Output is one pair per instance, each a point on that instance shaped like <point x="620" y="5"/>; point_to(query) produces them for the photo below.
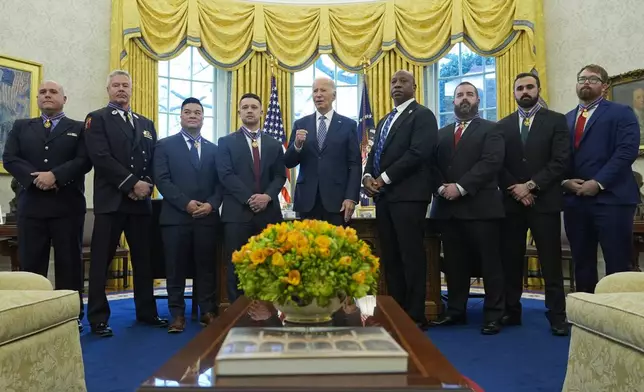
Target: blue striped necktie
<point x="321" y="131"/>
<point x="381" y="142"/>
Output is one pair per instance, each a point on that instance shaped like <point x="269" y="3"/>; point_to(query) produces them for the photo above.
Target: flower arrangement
<point x="300" y="262"/>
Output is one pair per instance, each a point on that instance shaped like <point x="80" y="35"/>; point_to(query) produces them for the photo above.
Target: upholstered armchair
<point x="39" y="340"/>
<point x="607" y="342"/>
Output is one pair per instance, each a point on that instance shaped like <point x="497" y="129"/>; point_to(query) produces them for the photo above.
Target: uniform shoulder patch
<point x="88" y="123"/>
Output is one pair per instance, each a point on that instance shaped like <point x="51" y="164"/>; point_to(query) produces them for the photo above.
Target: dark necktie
<point x="321" y="131"/>
<point x="256" y="163"/>
<point x="525" y="129"/>
<point x="194" y="154"/>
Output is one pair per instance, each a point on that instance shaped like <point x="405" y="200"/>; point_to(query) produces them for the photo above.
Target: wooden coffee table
<point x="193" y="367"/>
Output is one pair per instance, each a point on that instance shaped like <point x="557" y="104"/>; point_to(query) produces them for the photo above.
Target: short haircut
<point x="527" y="75"/>
<point x="595" y="69"/>
<point x="251" y="95"/>
<point x="116" y="73"/>
<point x="191" y="100"/>
<point x="469" y="84"/>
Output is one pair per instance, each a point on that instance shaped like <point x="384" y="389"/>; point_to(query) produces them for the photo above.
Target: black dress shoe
<point x="101" y="329"/>
<point x="560" y="329"/>
<point x="448" y="320"/>
<point x="155" y="321"/>
<point x="80" y="326"/>
<point x="509" y="320"/>
<point x="491" y="328"/>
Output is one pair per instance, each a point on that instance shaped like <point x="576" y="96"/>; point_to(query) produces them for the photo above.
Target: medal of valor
<point x="254" y="144"/>
<point x="585" y="113"/>
<point x="47" y="124"/>
<point x="526" y="122"/>
<point x="196" y="144"/>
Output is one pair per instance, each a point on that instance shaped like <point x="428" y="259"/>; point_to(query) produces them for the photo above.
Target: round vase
<point x="309" y="314"/>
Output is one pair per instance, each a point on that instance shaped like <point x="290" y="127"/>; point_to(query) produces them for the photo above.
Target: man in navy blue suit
<point x="601" y="193"/>
<point x="328" y="184"/>
<point x="186" y="175"/>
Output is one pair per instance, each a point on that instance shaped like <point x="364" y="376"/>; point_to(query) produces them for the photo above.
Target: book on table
<point x="309" y="350"/>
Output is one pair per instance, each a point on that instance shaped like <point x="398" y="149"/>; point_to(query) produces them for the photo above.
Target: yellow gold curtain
<point x="378" y="82"/>
<point x="255" y="77"/>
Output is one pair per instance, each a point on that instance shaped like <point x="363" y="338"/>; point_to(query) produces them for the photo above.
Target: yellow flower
<point x="278" y="259"/>
<point x="324" y="252"/>
<point x="258" y="256"/>
<point x="359" y="277"/>
<point x="293" y="277"/>
<point x="238" y="256"/>
<point x="323" y="241"/>
<point x="339" y="232"/>
<point x="345" y="260"/>
<point x="365" y="250"/>
<point x="376" y="264"/>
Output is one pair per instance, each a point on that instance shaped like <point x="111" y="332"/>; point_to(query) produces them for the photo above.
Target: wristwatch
<point x="531" y="185"/>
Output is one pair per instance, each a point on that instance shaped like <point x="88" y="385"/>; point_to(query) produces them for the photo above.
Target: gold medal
<point x="196" y="144"/>
<point x="254" y="144"/>
<point x="585" y="113"/>
<point x="47" y="124"/>
<point x="526" y="122"/>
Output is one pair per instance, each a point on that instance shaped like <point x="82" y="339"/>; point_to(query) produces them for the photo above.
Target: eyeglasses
<point x="589" y="79"/>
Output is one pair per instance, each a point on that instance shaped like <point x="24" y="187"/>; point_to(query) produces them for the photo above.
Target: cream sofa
<point x="607" y="342"/>
<point x="39" y="340"/>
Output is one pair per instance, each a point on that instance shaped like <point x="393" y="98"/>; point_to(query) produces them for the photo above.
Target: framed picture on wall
<point x="19" y="80"/>
<point x="628" y="89"/>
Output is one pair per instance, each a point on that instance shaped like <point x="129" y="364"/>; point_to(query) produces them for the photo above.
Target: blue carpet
<point x="525" y="358"/>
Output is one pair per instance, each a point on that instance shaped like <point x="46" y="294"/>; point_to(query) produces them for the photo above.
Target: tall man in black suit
<point x="252" y="172"/>
<point x="186" y="175"/>
<point x="469" y="156"/>
<point x="121" y="146"/>
<point x="536" y="156"/>
<point x="328" y="183"/>
<point x="397" y="175"/>
<point x="47" y="156"/>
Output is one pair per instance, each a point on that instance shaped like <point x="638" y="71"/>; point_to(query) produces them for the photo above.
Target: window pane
<point x="304" y="78"/>
<point x="174" y="125"/>
<point x="179" y="91"/>
<point x="302" y="102"/>
<point x="490" y="90"/>
<point x="163" y="95"/>
<point x="180" y="67"/>
<point x="445" y="119"/>
<point x="163" y="68"/>
<point x="201" y="70"/>
<point x="346" y="78"/>
<point x="446" y="94"/>
<point x="208" y="129"/>
<point x="490" y="114"/>
<point x="162" y="126"/>
<point x="324" y="67"/>
<point x="204" y="92"/>
<point x="470" y="61"/>
<point x="448" y="65"/>
<point x="347" y="98"/>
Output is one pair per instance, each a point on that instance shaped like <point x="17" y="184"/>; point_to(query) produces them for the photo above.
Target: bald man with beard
<point x="47" y="156"/>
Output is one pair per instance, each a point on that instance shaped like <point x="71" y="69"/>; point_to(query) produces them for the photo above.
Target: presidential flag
<point x="274" y="126"/>
<point x="366" y="135"/>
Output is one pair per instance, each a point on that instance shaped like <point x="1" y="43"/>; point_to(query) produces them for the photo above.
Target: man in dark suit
<point x="328" y="183"/>
<point x="537" y="152"/>
<point x="601" y="191"/>
<point x="469" y="156"/>
<point x="252" y="172"/>
<point x="47" y="156"/>
<point x="186" y="175"/>
<point x="397" y="175"/>
<point x="121" y="146"/>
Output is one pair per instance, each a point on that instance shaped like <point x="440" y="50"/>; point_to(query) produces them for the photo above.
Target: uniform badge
<point x="72" y="134"/>
<point x="88" y="122"/>
<point x="114" y="112"/>
<point x="147" y="134"/>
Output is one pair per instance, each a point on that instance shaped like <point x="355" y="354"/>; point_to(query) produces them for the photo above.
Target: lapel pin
<point x="410" y="111"/>
<point x="114" y="112"/>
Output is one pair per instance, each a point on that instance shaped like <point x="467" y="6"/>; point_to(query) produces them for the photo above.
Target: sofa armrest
<point x="18" y="280"/>
<point x="621" y="282"/>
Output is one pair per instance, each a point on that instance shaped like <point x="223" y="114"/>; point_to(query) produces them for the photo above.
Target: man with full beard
<point x="537" y="151"/>
<point x="601" y="191"/>
<point x="469" y="156"/>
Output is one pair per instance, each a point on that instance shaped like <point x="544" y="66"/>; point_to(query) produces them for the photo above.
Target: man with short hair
<point x="601" y="193"/>
<point x="252" y="172"/>
<point x="325" y="145"/>
<point x="185" y="173"/>
<point x="47" y="156"/>
<point x="537" y="151"/>
<point x="121" y="146"/>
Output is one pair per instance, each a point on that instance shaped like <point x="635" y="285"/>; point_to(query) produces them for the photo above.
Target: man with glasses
<point x="601" y="193"/>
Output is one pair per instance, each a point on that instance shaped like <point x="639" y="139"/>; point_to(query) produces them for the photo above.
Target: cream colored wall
<point x="580" y="32"/>
<point x="70" y="38"/>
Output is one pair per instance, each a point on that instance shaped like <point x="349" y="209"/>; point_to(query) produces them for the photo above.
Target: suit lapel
<point x="334" y="127"/>
<point x="38" y="127"/>
<point x="63" y="125"/>
<point x="264" y="152"/>
<point x="242" y="144"/>
<point x="400" y="120"/>
<point x="313" y="132"/>
<point x="138" y="132"/>
<point x="471" y="128"/>
<point x="534" y="128"/>
<point x="184" y="150"/>
<point x="116" y="118"/>
<point x="601" y="108"/>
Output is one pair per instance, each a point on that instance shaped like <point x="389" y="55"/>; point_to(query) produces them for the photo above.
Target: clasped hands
<point x="198" y="209"/>
<point x="44" y="180"/>
<point x="521" y="193"/>
<point x="581" y="187"/>
<point x="141" y="190"/>
<point x="258" y="202"/>
<point x="372" y="186"/>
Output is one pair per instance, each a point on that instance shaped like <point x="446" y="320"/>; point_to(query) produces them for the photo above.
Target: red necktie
<point x="256" y="167"/>
<point x="459" y="133"/>
<point x="579" y="128"/>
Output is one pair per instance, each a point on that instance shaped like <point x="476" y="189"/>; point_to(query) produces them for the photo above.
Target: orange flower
<point x="324" y="252"/>
<point x="376" y="264"/>
<point x="365" y="250"/>
<point x="293" y="277"/>
<point x="339" y="232"/>
<point x="238" y="256"/>
<point x="278" y="259"/>
<point x="345" y="260"/>
<point x="323" y="241"/>
<point x="258" y="256"/>
<point x="359" y="277"/>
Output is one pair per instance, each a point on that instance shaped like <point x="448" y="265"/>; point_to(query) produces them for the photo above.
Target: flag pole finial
<point x="273" y="62"/>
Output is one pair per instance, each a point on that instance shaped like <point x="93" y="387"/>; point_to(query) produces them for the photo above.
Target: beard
<point x="526" y="101"/>
<point x="587" y="94"/>
<point x="466" y="110"/>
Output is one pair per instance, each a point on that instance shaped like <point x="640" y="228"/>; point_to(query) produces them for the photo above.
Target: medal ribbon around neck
<point x="49" y="121"/>
<point x="196" y="141"/>
<point x="253" y="136"/>
<point x="586" y="108"/>
<point x="528" y="115"/>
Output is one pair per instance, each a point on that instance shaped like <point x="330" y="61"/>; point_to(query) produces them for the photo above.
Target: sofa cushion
<point x="26" y="312"/>
<point x="616" y="316"/>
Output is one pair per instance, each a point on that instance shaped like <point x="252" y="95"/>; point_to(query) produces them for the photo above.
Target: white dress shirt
<point x="530" y="121"/>
<point x="190" y="143"/>
<point x="122" y="113"/>
<point x="399" y="109"/>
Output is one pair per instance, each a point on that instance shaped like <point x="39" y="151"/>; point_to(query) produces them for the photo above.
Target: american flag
<point x="274" y="126"/>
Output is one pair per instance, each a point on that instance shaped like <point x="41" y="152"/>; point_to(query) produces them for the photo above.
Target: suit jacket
<point x="407" y="154"/>
<point x="235" y="168"/>
<point x="121" y="158"/>
<point x="179" y="181"/>
<point x="608" y="148"/>
<point x="334" y="171"/>
<point x="474" y="164"/>
<point x="544" y="159"/>
<point x="30" y="147"/>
